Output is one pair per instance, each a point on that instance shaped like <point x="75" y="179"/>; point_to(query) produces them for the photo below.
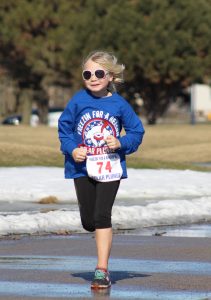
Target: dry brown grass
<point x="173" y="146"/>
<point x="49" y="200"/>
<point x="22" y="145"/>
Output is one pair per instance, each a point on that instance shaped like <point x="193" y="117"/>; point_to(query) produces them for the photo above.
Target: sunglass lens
<point x="87" y="75"/>
<point x="100" y="74"/>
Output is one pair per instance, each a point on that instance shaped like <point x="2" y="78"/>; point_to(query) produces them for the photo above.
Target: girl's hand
<point x="112" y="142"/>
<point x="79" y="154"/>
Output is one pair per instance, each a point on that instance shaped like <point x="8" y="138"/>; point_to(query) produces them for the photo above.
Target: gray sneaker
<point x="101" y="280"/>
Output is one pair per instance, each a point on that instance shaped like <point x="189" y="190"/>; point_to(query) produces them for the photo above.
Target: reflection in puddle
<point x="101" y="293"/>
<point x="32" y="289"/>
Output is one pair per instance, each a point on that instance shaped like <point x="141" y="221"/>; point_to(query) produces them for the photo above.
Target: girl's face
<point x="97" y="86"/>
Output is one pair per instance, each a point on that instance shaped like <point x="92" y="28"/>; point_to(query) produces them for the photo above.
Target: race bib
<point x="105" y="167"/>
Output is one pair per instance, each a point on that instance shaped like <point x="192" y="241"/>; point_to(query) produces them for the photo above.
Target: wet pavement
<point x="141" y="267"/>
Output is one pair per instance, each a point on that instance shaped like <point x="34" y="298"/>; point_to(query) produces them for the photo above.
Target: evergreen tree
<point x="165" y="45"/>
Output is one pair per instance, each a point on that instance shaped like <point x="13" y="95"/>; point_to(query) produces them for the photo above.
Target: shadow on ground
<point x="115" y="275"/>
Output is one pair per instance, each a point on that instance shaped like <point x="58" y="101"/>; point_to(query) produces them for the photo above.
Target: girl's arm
<point x="133" y="128"/>
<point x="66" y="128"/>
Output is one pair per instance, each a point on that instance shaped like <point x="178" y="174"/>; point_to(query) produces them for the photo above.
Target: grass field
<point x="164" y="146"/>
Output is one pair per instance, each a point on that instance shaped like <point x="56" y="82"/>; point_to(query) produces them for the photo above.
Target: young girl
<point x="89" y="132"/>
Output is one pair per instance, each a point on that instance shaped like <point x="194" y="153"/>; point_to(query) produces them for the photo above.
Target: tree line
<point x="165" y="45"/>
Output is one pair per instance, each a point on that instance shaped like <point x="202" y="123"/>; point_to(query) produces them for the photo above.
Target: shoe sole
<point x="96" y="287"/>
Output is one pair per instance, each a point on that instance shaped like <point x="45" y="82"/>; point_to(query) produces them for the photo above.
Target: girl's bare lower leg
<point x="103" y="242"/>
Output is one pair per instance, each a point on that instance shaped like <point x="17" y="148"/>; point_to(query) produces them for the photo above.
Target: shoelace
<point x="100" y="274"/>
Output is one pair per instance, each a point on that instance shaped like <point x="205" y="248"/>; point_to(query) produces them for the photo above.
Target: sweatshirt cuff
<point x="123" y="143"/>
<point x="70" y="148"/>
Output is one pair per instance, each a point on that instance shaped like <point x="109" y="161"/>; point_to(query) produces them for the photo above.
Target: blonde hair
<point x="109" y="62"/>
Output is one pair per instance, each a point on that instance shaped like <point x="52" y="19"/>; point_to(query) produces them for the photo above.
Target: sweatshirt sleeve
<point x="66" y="127"/>
<point x="133" y="128"/>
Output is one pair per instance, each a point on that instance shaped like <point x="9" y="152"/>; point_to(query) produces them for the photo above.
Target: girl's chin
<point x="97" y="89"/>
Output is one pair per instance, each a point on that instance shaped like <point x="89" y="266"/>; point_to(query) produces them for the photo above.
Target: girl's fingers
<point x="79" y="155"/>
<point x="112" y="142"/>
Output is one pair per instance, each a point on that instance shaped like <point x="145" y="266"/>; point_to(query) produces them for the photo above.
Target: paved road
<point x="142" y="267"/>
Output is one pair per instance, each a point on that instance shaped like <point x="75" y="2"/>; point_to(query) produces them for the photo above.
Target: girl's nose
<point x="93" y="77"/>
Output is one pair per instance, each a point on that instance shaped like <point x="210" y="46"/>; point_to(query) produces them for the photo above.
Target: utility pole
<point x="192" y="105"/>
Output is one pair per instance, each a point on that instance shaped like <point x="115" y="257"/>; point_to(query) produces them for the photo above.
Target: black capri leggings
<point x="95" y="200"/>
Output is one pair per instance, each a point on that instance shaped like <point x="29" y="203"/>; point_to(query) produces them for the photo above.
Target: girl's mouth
<point x="93" y="85"/>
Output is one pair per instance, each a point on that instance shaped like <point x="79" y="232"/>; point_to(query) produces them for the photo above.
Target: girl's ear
<point x="111" y="77"/>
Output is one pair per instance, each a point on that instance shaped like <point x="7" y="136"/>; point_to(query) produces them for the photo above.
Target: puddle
<point x="190" y="230"/>
<point x="39" y="290"/>
<point x="126" y="268"/>
<point x="194" y="230"/>
<point x="76" y="263"/>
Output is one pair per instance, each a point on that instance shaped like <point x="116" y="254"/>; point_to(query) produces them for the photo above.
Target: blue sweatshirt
<point x="87" y="120"/>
